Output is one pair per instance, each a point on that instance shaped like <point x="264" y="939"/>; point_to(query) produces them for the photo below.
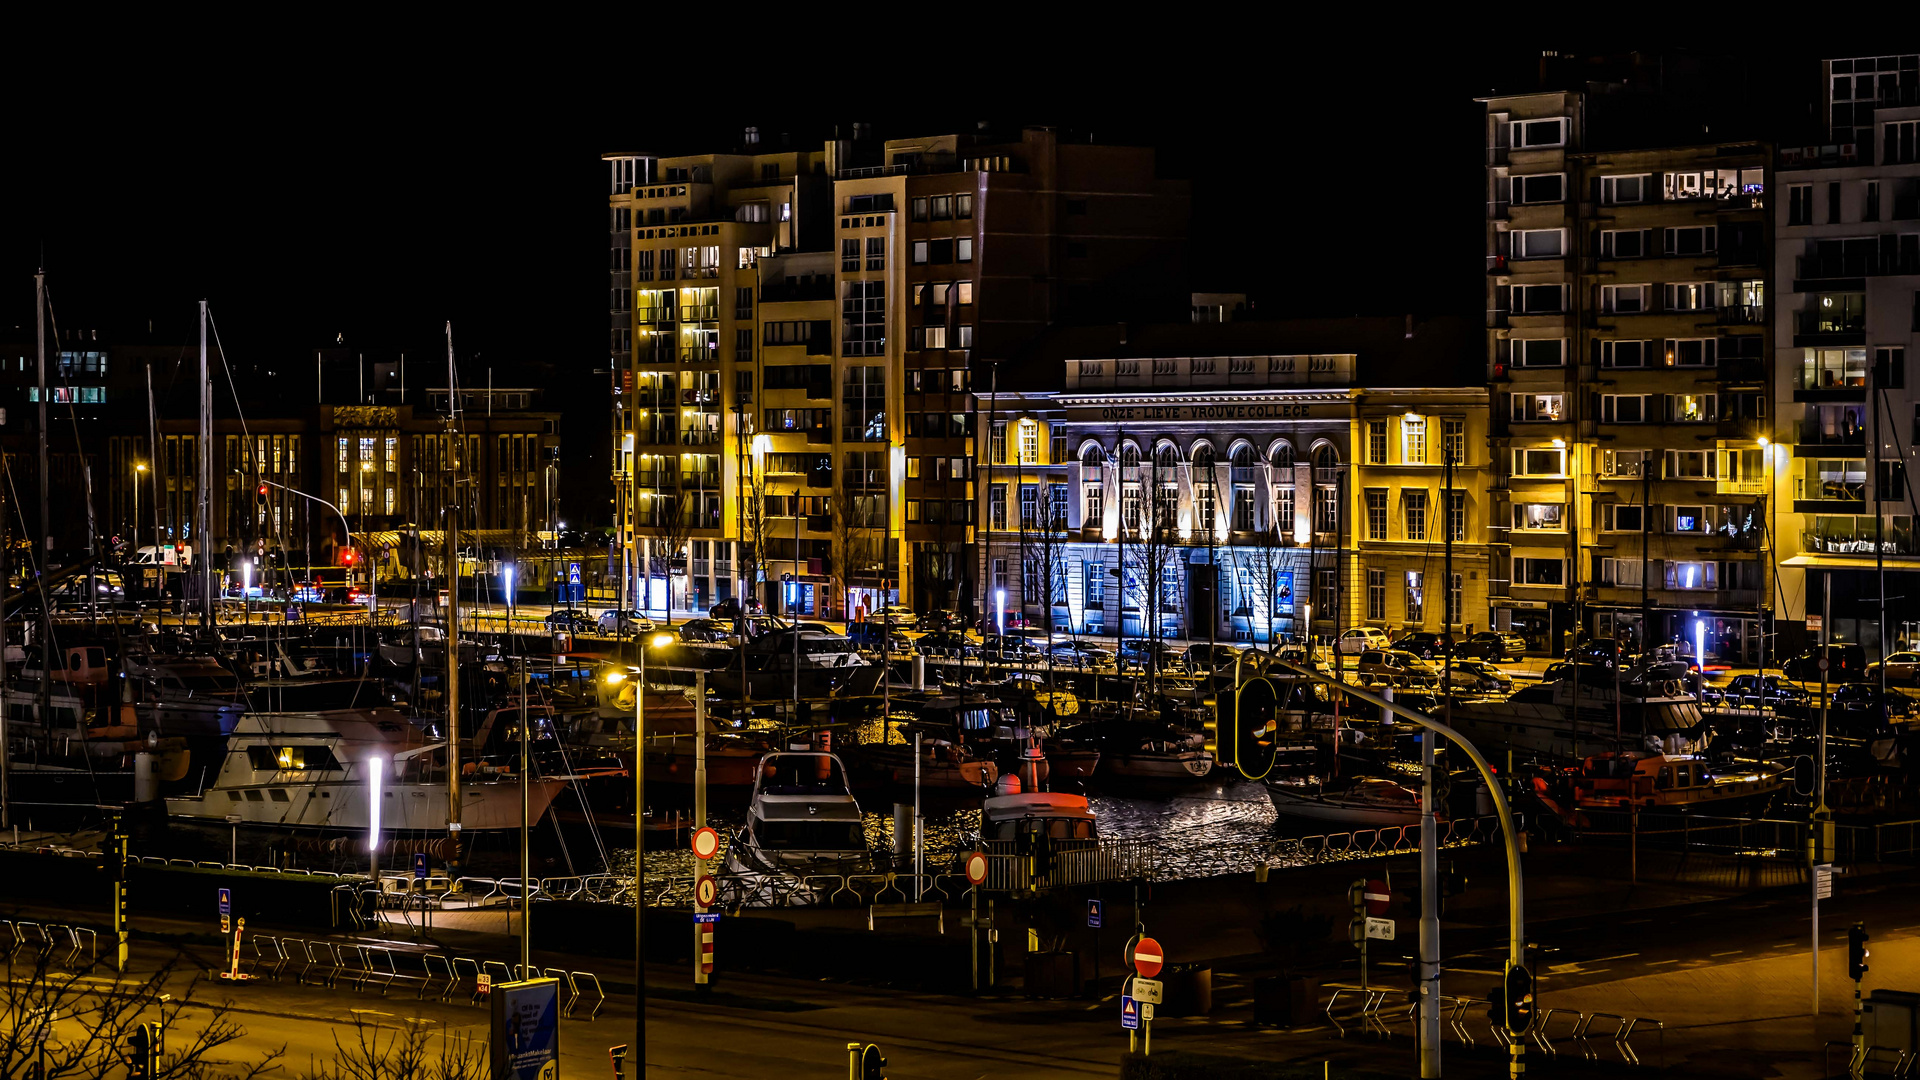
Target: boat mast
<point x="450" y="523"/>
<point x="203" y="500"/>
<point x="46" y="519"/>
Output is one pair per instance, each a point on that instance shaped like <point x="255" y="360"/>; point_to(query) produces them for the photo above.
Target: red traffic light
<point x="347" y="556"/>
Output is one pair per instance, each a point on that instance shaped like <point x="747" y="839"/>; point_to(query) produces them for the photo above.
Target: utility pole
<point x="450" y="522"/>
<point x="1429" y="1003"/>
<point x="526" y="894"/>
<point x="45" y="531"/>
<point x="203" y="501"/>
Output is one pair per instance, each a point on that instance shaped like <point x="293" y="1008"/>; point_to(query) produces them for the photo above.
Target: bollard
<point x="919" y="672"/>
<point x="902" y="830"/>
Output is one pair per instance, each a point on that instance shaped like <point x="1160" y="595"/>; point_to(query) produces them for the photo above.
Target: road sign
<point x="483" y="984"/>
<point x="1146" y="991"/>
<point x="1093" y="914"/>
<point x="706" y="842"/>
<point x="226" y="924"/>
<point x="1815" y="623"/>
<point x="226" y="901"/>
<point x="1146" y="1011"/>
<point x="706" y="916"/>
<point x="1823" y="664"/>
<point x="1379" y="929"/>
<point x="420" y="866"/>
<point x="1129" y="1014"/>
<point x="1823" y="881"/>
<point x="977" y="868"/>
<point x="573" y="573"/>
<point x="1376" y="896"/>
<point x="1148" y="957"/>
<point x="705" y="892"/>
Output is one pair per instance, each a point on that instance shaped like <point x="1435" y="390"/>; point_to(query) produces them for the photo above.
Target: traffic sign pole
<point x="703" y="932"/>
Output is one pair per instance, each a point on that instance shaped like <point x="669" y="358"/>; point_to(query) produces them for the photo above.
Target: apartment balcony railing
<point x="1874" y="264"/>
<point x="653" y="316"/>
<point x="700" y="437"/>
<point x="699" y="354"/>
<point x="690" y="273"/>
<point x="699" y="312"/>
<point x="1741" y="314"/>
<point x="1832" y="322"/>
<point x="1817" y="434"/>
<point x="1893" y="541"/>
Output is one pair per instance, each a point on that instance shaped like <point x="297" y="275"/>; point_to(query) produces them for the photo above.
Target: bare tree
<point x="1044" y="555"/>
<point x="857" y="519"/>
<point x="753" y="528"/>
<point x="672" y="526"/>
<point x="376" y="1052"/>
<point x="1153" y="557"/>
<point x="1265" y="557"/>
<point x="56" y="1024"/>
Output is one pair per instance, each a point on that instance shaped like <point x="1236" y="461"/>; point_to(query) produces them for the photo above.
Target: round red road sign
<point x="1377" y="897"/>
<point x="1148" y="958"/>
<point x="705" y="843"/>
<point x="977" y="868"/>
<point x="705" y="891"/>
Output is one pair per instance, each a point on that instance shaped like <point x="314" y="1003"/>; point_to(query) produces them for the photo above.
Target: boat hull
<point x="1309" y="807"/>
<point x="342" y="806"/>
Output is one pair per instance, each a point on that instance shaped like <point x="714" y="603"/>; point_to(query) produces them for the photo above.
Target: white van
<point x="156" y="556"/>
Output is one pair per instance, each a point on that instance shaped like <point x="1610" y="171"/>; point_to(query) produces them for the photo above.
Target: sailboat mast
<point x="46" y="520"/>
<point x="203" y="482"/>
<point x="450" y="524"/>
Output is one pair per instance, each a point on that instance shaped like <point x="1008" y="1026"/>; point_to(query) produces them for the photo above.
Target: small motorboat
<point x="1045" y="813"/>
<point x="1605" y="788"/>
<point x="1368" y="801"/>
<point x="1143" y="750"/>
<point x="802" y="820"/>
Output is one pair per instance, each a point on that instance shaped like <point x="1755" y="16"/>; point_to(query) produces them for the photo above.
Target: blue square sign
<point x="1129" y="1014"/>
<point x="420" y="865"/>
<point x="226" y="901"/>
<point x="1093" y="914"/>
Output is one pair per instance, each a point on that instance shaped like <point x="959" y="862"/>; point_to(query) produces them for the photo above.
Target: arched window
<point x="1166" y="456"/>
<point x="1203" y="456"/>
<point x="1244" y="456"/>
<point x="1325" y="456"/>
<point x="1281" y="456"/>
<point x="1129" y="456"/>
<point x="1092" y="456"/>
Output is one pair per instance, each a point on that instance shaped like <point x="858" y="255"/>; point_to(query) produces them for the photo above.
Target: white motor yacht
<point x="310" y="771"/>
<point x="803" y="819"/>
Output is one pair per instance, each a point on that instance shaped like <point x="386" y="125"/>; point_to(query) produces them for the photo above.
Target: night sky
<point x="376" y="196"/>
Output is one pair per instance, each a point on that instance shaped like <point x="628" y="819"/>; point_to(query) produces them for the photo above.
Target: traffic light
<point x="1219" y="713"/>
<point x="1497" y="1005"/>
<point x="260" y="495"/>
<point x="872" y="1063"/>
<point x="1517" y="996"/>
<point x="348" y="556"/>
<point x="143" y="1052"/>
<point x="1857" y="952"/>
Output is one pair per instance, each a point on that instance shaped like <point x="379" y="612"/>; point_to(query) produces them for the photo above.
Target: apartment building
<point x="1627" y="331"/>
<point x="1846" y="327"/>
<point x="1197" y="482"/>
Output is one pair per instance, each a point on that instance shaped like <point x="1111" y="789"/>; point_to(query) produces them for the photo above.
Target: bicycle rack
<point x="472" y="971"/>
<point x="445" y="973"/>
<point x="600" y="995"/>
<point x="1539" y="1032"/>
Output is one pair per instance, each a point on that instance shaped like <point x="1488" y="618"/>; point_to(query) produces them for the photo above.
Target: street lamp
<point x="375" y="768"/>
<point x="138" y="469"/>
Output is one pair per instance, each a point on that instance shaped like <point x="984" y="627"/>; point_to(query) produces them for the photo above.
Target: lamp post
<point x="139" y="469"/>
<point x="376" y="767"/>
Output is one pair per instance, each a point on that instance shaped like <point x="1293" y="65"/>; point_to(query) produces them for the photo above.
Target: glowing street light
<point x="376" y="767"/>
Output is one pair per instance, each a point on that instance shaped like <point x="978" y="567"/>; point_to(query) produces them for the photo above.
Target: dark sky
<point x="377" y="194"/>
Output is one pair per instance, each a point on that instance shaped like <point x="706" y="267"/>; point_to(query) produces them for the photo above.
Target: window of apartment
<point x="963" y="292"/>
<point x="1416" y="595"/>
<point x="1623" y="299"/>
<point x="943" y="208"/>
<point x="1326" y="509"/>
<point x="997" y="507"/>
<point x="1690" y="352"/>
<point x="1691" y="464"/>
<point x="1690" y="295"/>
<point x="1283" y="516"/>
<point x="1414" y="512"/>
<point x="876" y="253"/>
<point x="1539" y="517"/>
<point x="1030" y="506"/>
<point x="1537" y="134"/>
<point x="963" y="249"/>
<point x="1621" y="464"/>
<point x="1413" y="440"/>
<point x="919" y="253"/>
<point x="963" y="206"/>
<point x="1833" y="202"/>
<point x="1528" y="408"/>
<point x="1890" y="368"/>
<point x="1900" y="142"/>
<point x="1029" y="442"/>
<point x="1243" y="507"/>
<point x="1692" y="408"/>
<point x="1539" y="243"/>
<point x="1623" y="244"/>
<point x="1690" y="240"/>
<point x="1096" y="583"/>
<point x="1689" y="519"/>
<point x="1130" y="506"/>
<point x="1540" y="461"/>
<point x="1871" y="212"/>
<point x="1799" y="204"/>
<point x="1624" y="190"/>
<point x="1621" y="517"/>
<point x="1691" y="575"/>
<point x="1456" y="597"/>
<point x="1376" y="442"/>
<point x="849" y="254"/>
<point x="1376" y="594"/>
<point x="1457" y="514"/>
<point x="1539" y="571"/>
<point x="1541" y="188"/>
<point x="918" y="209"/>
<point x="1623" y="408"/>
<point x="1538" y="299"/>
<point x="1094" y="506"/>
<point x="863" y="318"/>
<point x="1540" y="352"/>
<point x="1623" y="354"/>
<point x="1621" y="573"/>
<point x="1377" y="514"/>
<point x="1453" y="441"/>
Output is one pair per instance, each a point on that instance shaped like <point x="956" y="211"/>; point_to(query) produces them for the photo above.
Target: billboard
<point x="526" y="1030"/>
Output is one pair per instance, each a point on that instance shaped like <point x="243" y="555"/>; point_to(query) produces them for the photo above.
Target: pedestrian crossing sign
<point x="1129" y="1014"/>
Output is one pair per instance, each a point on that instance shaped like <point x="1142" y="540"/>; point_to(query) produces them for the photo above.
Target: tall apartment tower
<point x="684" y="236"/>
<point x="1847" y="214"/>
<point x="1626" y="328"/>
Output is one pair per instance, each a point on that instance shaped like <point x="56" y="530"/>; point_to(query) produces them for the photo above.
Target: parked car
<point x="897" y="616"/>
<point x="1396" y="666"/>
<point x="1480" y="675"/>
<point x="1299" y="656"/>
<point x="1014" y="648"/>
<point x="1589" y="674"/>
<point x="1142" y="653"/>
<point x="944" y="619"/>
<point x="1492" y="645"/>
<point x="1080" y="654"/>
<point x="1360" y="639"/>
<point x="1846" y="663"/>
<point x="615" y="621"/>
<point x="1204" y="657"/>
<point x="1862" y="702"/>
<point x="1425" y="645"/>
<point x="1902" y="667"/>
<point x="949" y="643"/>
<point x="705" y="631"/>
<point x="570" y="622"/>
<point x="1762" y="691"/>
<point x="1605" y="652"/>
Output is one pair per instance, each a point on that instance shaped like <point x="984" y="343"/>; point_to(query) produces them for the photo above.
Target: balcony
<point x="700" y="437"/>
<point x="1837" y="486"/>
<point x="1853" y="265"/>
<point x="1741" y="315"/>
<point x="653" y="316"/>
<point x="1838" y="440"/>
<point x="1847" y="536"/>
<point x="699" y="354"/>
<point x="1836" y="325"/>
<point x="699" y="312"/>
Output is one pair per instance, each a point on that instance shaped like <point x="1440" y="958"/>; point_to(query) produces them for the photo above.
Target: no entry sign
<point x="1147" y="958"/>
<point x="705" y="843"/>
<point x="1377" y="897"/>
<point x="977" y="868"/>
